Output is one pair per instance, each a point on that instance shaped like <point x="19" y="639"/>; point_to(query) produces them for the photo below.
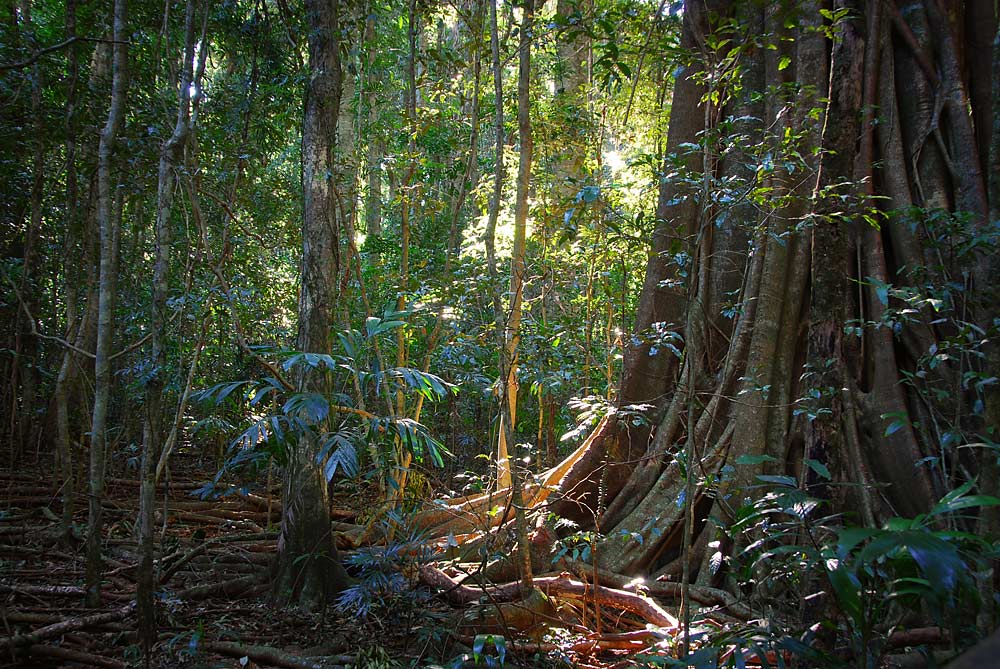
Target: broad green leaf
<point x="818" y="467"/>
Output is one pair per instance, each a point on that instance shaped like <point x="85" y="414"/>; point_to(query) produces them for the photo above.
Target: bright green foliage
<point x="346" y="434"/>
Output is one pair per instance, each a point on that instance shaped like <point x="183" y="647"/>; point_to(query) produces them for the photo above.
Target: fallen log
<point x="918" y="636"/>
<point x="70" y="625"/>
<point x="214" y="520"/>
<point x="274" y="657"/>
<point x="50" y="618"/>
<point x="53" y="590"/>
<point x="556" y="586"/>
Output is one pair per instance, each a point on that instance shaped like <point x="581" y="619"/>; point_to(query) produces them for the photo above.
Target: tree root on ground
<point x="75" y="656"/>
<point x="704" y="595"/>
<point x="591" y="645"/>
<point x="232" y="589"/>
<point x="70" y="625"/>
<point x="562" y="585"/>
<point x="274" y="657"/>
<point x="466" y="515"/>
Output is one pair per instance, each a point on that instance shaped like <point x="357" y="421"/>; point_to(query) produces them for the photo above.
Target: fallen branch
<point x="918" y="636"/>
<point x="62" y="627"/>
<point x="77" y="656"/>
<point x="233" y="588"/>
<point x="559" y="586"/>
<point x="175" y="485"/>
<point x="273" y="656"/>
<point x="184" y="558"/>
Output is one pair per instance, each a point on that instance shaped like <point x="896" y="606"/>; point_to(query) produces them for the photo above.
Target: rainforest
<point x="499" y="333"/>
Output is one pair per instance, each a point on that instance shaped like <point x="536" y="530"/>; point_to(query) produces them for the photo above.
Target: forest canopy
<point x="566" y="333"/>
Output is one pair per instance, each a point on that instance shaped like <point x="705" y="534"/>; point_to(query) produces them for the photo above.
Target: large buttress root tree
<point x="309" y="569"/>
<point x="796" y="296"/>
<point x="783" y="384"/>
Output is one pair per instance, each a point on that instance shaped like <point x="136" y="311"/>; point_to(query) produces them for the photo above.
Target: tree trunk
<point x="518" y="270"/>
<point x="309" y="569"/>
<point x="784" y="391"/>
<point x="170" y="157"/>
<point x="376" y="147"/>
<point x="107" y="224"/>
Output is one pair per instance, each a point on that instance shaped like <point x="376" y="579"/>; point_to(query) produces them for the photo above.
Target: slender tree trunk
<point x="376" y="147"/>
<point x="25" y="371"/>
<point x="518" y="269"/>
<point x="60" y="398"/>
<point x="170" y="157"/>
<point x="309" y="569"/>
<point x="496" y="199"/>
<point x="107" y="223"/>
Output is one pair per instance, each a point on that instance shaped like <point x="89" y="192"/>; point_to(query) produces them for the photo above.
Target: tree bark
<point x="107" y="224"/>
<point x="309" y="569"/>
<point x="170" y="157"/>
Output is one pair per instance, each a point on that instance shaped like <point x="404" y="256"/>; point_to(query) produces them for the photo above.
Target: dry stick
<point x="70" y="625"/>
<point x="274" y="657"/>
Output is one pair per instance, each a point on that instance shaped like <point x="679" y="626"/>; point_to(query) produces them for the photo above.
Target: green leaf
<point x="957" y="499"/>
<point x="847" y="589"/>
<point x="849" y="537"/>
<point x="778" y="480"/>
<point x="784" y="62"/>
<point x="894" y="427"/>
<point x="818" y="467"/>
<point x="754" y="459"/>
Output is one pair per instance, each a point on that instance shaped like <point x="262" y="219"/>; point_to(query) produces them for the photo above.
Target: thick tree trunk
<point x="815" y="266"/>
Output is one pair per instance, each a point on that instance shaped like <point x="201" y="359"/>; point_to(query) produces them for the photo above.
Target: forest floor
<point x="215" y="562"/>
